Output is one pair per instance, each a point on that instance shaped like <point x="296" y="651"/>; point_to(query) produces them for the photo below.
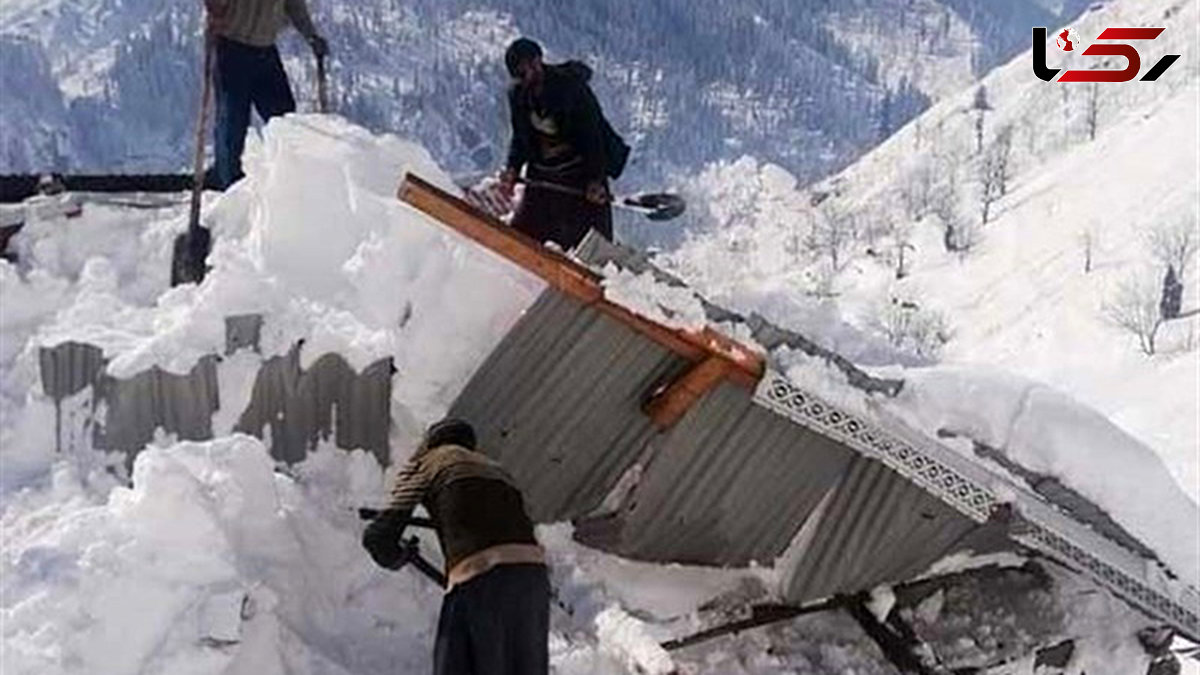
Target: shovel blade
<point x="188" y="256"/>
<point x="658" y="206"/>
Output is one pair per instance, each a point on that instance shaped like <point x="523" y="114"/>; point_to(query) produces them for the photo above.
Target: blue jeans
<point x="245" y="75"/>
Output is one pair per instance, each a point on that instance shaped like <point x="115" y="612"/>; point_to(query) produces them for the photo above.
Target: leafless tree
<point x="833" y="232"/>
<point x="1093" y="110"/>
<point x="916" y="191"/>
<point x="908" y="326"/>
<point x="902" y="237"/>
<point x="1002" y="148"/>
<point x="1174" y="244"/>
<point x="1088" y="240"/>
<point x="981" y="106"/>
<point x="876" y="225"/>
<point x="989" y="184"/>
<point x="1135" y="308"/>
<point x="958" y="234"/>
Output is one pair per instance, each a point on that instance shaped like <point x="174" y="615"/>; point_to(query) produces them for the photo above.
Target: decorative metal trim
<point x="961" y="493"/>
<point x="1133" y="590"/>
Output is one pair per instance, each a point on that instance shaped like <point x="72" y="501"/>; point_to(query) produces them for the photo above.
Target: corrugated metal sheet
<point x="558" y="402"/>
<point x="299" y="406"/>
<point x="69" y="368"/>
<point x="877" y="528"/>
<point x="730" y="484"/>
<point x="178" y="404"/>
<point x="134" y="408"/>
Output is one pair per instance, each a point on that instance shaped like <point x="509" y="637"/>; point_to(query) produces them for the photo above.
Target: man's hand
<point x="382" y="541"/>
<point x="319" y="46"/>
<point x="508" y="183"/>
<point x="216" y="14"/>
<point x="597" y="193"/>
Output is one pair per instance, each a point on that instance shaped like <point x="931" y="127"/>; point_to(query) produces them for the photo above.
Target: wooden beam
<point x="568" y="276"/>
<point x="669" y="406"/>
<point x="559" y="271"/>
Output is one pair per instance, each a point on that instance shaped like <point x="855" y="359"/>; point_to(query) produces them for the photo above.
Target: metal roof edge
<point x="967" y="487"/>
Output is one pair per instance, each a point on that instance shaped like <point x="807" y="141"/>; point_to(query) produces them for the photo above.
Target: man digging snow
<point x="495" y="618"/>
<point x="564" y="143"/>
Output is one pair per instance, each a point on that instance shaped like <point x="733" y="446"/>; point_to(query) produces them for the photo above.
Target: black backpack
<point x="616" y="150"/>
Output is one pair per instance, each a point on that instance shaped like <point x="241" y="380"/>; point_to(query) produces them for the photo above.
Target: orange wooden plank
<point x="669" y="406"/>
<point x="574" y="279"/>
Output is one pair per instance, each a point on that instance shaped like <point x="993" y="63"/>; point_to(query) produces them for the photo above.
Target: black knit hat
<point x="521" y="50"/>
<point x="450" y="431"/>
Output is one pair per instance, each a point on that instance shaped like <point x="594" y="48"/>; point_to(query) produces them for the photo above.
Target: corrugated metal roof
<point x="735" y="480"/>
<point x="559" y="403"/>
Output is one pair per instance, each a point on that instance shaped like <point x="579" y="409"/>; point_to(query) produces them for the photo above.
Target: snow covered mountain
<point x="112" y="84"/>
<point x="1081" y="186"/>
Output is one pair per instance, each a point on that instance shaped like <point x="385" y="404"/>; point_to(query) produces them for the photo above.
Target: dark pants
<point x="496" y="624"/>
<point x="245" y="75"/>
<point x="548" y="215"/>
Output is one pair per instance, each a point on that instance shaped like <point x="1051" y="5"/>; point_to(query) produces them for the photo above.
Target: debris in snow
<point x="931" y="608"/>
<point x="675" y="306"/>
<point x="625" y="636"/>
<point x="881" y="602"/>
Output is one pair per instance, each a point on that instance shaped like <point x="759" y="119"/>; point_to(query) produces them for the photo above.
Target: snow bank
<point x="210" y="562"/>
<point x="314" y="240"/>
<point x="1049" y="433"/>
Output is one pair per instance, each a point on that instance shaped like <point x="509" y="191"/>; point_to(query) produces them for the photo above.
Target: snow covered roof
<point x="811" y="475"/>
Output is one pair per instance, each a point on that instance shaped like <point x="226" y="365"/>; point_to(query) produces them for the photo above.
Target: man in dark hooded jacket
<point x="560" y="137"/>
<point x="495" y="617"/>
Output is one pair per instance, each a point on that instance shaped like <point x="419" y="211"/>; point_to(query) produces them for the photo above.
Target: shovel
<point x="412" y="546"/>
<point x="657" y="206"/>
<point x="653" y="205"/>
<point x="191" y="248"/>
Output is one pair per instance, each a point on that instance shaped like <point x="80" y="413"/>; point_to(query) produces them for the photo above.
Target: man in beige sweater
<point x="496" y="613"/>
<point x="249" y="71"/>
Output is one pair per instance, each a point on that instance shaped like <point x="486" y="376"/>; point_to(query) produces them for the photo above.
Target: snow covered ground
<point x="1061" y="245"/>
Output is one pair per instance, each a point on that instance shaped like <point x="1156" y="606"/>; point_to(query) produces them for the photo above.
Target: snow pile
<point x="210" y="562"/>
<point x="315" y="240"/>
<point x="1050" y="434"/>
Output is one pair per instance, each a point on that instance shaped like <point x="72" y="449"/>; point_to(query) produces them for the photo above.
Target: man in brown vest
<point x="495" y="616"/>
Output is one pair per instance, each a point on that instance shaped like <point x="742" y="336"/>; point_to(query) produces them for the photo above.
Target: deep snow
<point x="209" y="558"/>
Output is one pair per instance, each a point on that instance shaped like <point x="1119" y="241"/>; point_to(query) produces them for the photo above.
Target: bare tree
<point x="1174" y="244"/>
<point x="876" y="225"/>
<point x="958" y="234"/>
<point x="833" y="231"/>
<point x="1002" y="148"/>
<point x="907" y="326"/>
<point x="1088" y="240"/>
<point x="902" y="236"/>
<point x="989" y="184"/>
<point x="1135" y="308"/>
<point x="917" y="190"/>
<point x="1093" y="110"/>
<point x="981" y="106"/>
